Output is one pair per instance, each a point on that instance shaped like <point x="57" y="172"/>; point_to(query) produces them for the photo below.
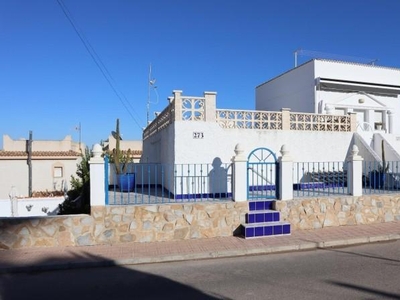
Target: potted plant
<point x="122" y="159"/>
<point x="377" y="177"/>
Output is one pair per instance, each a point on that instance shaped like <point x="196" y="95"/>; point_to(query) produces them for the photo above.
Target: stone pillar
<point x="354" y="177"/>
<point x="210" y="106"/>
<point x="391" y="122"/>
<point x="239" y="188"/>
<point x="178" y="105"/>
<point x="285" y="175"/>
<point x="97" y="176"/>
<point x="285" y="118"/>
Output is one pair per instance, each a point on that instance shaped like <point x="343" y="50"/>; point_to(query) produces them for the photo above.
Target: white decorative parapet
<point x="193" y="108"/>
<point x="162" y="121"/>
<point x="188" y="108"/>
<point x="317" y="122"/>
<point x="243" y="119"/>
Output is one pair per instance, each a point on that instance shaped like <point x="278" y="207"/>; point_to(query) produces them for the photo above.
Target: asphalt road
<point x="362" y="272"/>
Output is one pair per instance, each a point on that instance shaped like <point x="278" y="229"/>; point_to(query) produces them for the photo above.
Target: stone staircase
<point x="262" y="220"/>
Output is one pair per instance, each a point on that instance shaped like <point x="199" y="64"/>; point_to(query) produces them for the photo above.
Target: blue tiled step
<point x="256" y="230"/>
<point x="261" y="216"/>
<point x="261" y="205"/>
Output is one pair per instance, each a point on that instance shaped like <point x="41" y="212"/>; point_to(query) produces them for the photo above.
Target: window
<point x="58" y="172"/>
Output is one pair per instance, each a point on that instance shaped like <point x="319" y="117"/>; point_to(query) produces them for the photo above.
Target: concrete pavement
<point x="53" y="258"/>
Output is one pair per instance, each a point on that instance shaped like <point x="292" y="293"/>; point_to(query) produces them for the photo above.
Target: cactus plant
<point x="385" y="166"/>
<point x="121" y="158"/>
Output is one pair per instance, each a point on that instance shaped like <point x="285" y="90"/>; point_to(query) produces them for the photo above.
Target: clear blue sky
<point x="49" y="83"/>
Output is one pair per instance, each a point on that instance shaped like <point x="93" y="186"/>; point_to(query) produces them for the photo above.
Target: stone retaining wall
<point x="119" y="224"/>
<point x="314" y="213"/>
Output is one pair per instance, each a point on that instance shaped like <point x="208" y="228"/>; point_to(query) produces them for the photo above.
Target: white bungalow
<point x="337" y="87"/>
<point x="331" y="106"/>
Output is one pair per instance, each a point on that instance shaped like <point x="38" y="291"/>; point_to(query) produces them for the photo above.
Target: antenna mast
<point x="151" y="84"/>
<point x="148" y="96"/>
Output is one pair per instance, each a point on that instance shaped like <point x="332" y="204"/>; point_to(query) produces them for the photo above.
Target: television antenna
<point x="115" y="135"/>
<point x="151" y="84"/>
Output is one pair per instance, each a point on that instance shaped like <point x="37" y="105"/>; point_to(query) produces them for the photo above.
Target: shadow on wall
<point x="24" y="281"/>
<point x="218" y="178"/>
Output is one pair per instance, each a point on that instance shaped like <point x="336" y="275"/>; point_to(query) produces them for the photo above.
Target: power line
<point x="99" y="63"/>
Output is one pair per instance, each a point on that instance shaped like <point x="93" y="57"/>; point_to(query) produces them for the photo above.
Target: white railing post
<point x="97" y="193"/>
<point x="285" y="118"/>
<point x="177" y="105"/>
<point x="239" y="189"/>
<point x="285" y="175"/>
<point x="211" y="106"/>
<point x="354" y="178"/>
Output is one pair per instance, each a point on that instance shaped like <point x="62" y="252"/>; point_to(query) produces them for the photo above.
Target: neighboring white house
<point x="52" y="164"/>
<point x="134" y="145"/>
<point x="337" y="87"/>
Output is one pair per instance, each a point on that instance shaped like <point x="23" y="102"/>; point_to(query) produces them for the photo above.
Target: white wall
<point x="357" y="72"/>
<point x="160" y="147"/>
<point x="305" y="146"/>
<point x="15" y="173"/>
<point x="37" y="209"/>
<point x="293" y="89"/>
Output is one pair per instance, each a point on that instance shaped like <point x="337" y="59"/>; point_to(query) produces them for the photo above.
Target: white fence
<point x="29" y="207"/>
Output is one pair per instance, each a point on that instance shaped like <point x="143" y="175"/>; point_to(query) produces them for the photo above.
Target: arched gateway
<point x="262" y="174"/>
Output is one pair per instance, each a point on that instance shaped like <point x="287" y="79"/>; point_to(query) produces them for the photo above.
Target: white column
<point x="391" y="122"/>
<point x="370" y="118"/>
<point x="97" y="193"/>
<point x="239" y="188"/>
<point x="285" y="175"/>
<point x="354" y="178"/>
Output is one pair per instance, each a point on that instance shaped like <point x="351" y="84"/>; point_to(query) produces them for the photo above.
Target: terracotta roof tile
<point x="40" y="153"/>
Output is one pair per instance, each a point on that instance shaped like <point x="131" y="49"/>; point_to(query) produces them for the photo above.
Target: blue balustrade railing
<point x="152" y="183"/>
<point x="312" y="179"/>
<point x="381" y="177"/>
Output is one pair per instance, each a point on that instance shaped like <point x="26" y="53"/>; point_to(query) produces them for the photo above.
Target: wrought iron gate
<point x="262" y="174"/>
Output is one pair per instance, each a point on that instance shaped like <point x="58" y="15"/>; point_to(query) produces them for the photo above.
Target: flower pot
<point x="126" y="182"/>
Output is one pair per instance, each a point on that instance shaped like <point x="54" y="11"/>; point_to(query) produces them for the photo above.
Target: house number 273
<point x="198" y="135"/>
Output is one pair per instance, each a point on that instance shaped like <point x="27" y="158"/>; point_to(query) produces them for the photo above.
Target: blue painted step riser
<point x="261" y="205"/>
<point x="260" y="231"/>
<point x="263" y="220"/>
<point x="262" y="217"/>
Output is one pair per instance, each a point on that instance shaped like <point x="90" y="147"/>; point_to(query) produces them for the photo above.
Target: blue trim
<point x="253" y="188"/>
<point x="262" y="148"/>
<point x="203" y="196"/>
<point x="316" y="185"/>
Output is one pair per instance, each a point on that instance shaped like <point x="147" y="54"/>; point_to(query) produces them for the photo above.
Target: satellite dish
<point x="115" y="135"/>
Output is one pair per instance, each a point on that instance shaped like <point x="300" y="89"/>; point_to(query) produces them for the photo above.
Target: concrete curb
<point x="303" y="246"/>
